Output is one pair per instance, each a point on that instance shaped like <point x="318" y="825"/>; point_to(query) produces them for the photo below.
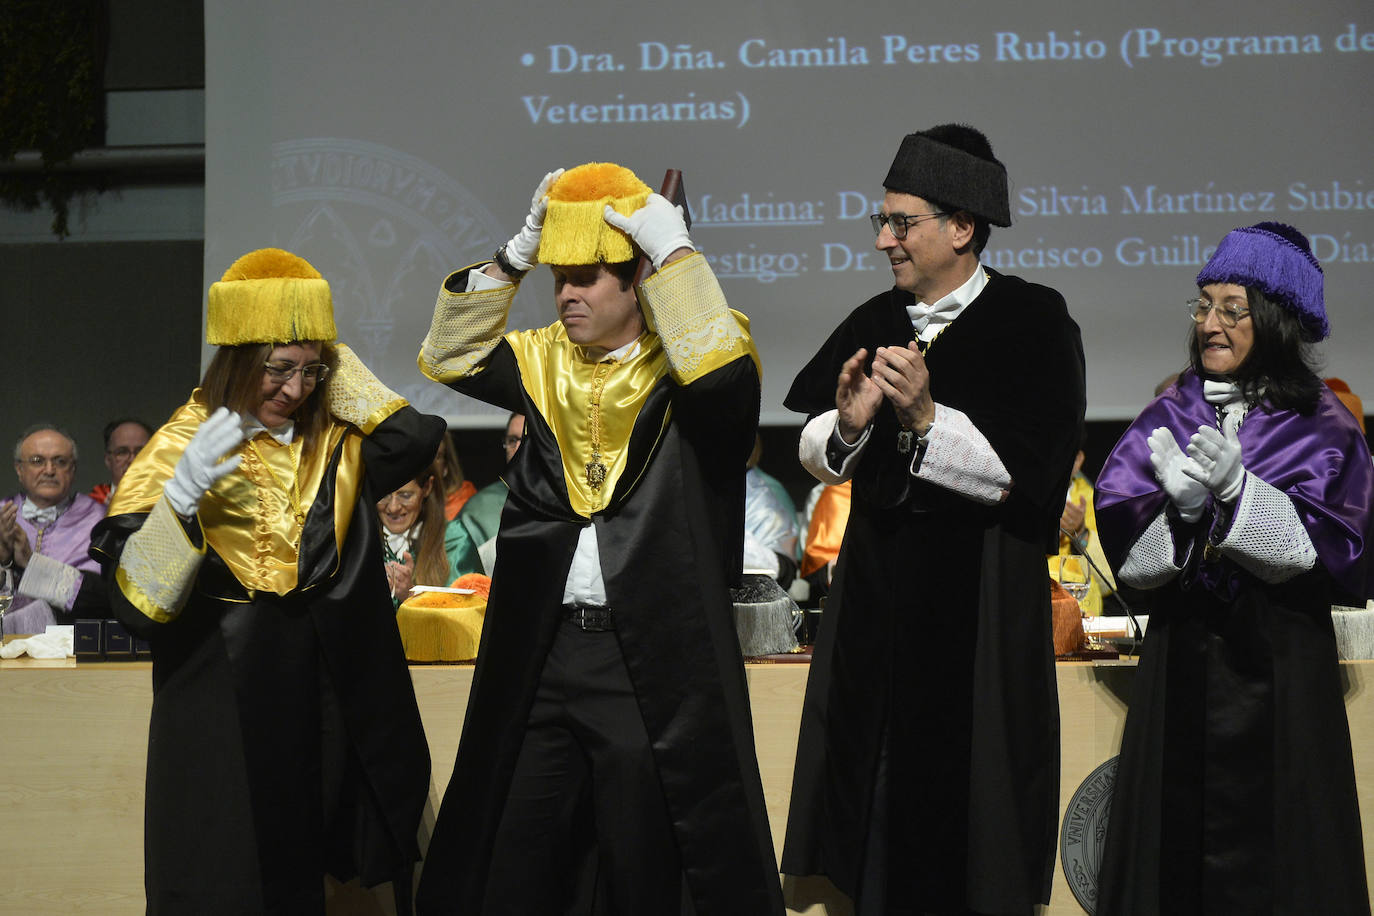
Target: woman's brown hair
<point x="234" y="380"/>
<point x="431" y="563"/>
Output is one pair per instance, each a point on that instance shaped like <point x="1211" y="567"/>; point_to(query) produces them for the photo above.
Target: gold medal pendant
<point x="596" y="472"/>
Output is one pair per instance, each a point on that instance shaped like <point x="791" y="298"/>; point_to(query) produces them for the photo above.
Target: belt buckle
<point x="592" y="619"/>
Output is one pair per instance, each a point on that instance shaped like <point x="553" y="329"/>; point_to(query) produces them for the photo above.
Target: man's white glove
<point x="522" y="251"/>
<point x="1170" y="464"/>
<point x="200" y="464"/>
<point x="1216" y="462"/>
<point x="657" y="228"/>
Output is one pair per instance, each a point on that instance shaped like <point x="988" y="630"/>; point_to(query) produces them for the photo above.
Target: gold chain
<point x="293" y="492"/>
<point x="596" y="470"/>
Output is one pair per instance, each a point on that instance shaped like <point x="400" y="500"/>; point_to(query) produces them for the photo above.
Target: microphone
<point x="1081" y="548"/>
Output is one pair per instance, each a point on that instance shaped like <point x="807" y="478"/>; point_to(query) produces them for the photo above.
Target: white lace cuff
<point x="1266" y="538"/>
<point x="685" y="307"/>
<point x="51" y="581"/>
<point x="158" y="565"/>
<point x="815" y="445"/>
<point x="959" y="458"/>
<point x="1150" y="561"/>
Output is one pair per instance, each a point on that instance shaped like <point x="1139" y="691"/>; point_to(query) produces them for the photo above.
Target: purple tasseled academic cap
<point x="1277" y="260"/>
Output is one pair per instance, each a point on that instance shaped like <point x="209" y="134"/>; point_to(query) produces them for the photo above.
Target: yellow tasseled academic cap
<point x="269" y="296"/>
<point x="575" y="231"/>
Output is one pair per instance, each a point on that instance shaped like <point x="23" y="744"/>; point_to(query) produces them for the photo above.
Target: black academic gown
<point x="936" y="636"/>
<point x="285" y="740"/>
<point x="670" y="545"/>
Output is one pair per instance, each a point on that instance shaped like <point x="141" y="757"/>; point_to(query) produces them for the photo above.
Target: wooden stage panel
<point x="74" y="749"/>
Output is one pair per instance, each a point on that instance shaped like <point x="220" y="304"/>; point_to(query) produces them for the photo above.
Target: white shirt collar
<point x="621" y="353"/>
<point x="252" y="426"/>
<point x="930" y="319"/>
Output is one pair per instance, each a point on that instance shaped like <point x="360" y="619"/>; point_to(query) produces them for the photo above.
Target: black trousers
<point x="585" y="797"/>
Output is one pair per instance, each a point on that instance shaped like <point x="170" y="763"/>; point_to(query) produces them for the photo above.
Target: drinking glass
<point x="6" y="596"/>
<point x="1076" y="576"/>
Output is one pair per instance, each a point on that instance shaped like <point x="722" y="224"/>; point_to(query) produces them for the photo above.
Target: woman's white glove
<point x="657" y="228"/>
<point x="1216" y="462"/>
<point x="1185" y="491"/>
<point x="200" y="466"/>
<point x="522" y="251"/>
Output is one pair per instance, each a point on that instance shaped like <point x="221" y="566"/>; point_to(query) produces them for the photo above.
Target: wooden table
<point x="74" y="743"/>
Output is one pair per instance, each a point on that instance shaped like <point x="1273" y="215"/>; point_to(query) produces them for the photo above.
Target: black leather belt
<point x="590" y="618"/>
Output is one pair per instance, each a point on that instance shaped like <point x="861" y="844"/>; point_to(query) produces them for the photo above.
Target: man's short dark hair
<point x="624" y="271"/>
<point x="116" y="424"/>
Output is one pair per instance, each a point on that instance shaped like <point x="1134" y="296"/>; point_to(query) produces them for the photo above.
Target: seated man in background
<point x="770" y="524"/>
<point x="826" y="519"/>
<point x="124" y="438"/>
<point x="45" y="537"/>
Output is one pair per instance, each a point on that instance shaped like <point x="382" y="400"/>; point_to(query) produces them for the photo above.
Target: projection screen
<point x="391" y="143"/>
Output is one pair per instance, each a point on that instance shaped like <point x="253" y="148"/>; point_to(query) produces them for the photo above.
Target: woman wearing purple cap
<point x="1242" y="495"/>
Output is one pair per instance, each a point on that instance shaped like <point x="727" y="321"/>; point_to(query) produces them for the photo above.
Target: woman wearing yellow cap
<point x="243" y="543"/>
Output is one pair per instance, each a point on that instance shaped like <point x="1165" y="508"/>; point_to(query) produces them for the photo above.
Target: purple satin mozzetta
<point x="1321" y="462"/>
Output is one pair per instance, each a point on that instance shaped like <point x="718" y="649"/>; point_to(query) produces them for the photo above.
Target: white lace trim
<point x="356" y="395"/>
<point x="158" y="565"/>
<point x="1266" y="537"/>
<point x="1150" y="561"/>
<point x="687" y="310"/>
<point x="959" y="458"/>
<point x="50" y="581"/>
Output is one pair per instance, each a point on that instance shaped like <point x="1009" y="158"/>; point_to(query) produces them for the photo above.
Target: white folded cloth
<point x="55" y="642"/>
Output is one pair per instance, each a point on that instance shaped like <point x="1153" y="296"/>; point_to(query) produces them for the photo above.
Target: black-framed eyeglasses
<point x="899" y="223"/>
<point x="311" y="374"/>
<point x="124" y="452"/>
<point x="59" y="462"/>
<point x="1227" y="314"/>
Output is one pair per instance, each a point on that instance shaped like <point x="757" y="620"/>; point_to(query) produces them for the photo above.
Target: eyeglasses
<point x="1228" y="315"/>
<point x="311" y="374"/>
<point x="123" y="453"/>
<point x="59" y="462"/>
<point x="899" y="223"/>
<point x="511" y="441"/>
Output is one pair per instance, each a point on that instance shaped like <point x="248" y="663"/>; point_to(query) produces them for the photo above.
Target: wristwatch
<point x="507" y="268"/>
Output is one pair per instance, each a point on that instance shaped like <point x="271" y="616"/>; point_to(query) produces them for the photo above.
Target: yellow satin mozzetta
<point x="558" y="378"/>
<point x="692" y="332"/>
<point x="247" y="517"/>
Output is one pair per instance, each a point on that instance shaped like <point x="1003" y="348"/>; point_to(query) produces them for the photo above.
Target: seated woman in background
<point x="1242" y="494"/>
<point x="420" y="545"/>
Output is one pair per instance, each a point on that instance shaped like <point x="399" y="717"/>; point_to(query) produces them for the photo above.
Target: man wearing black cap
<point x="928" y="766"/>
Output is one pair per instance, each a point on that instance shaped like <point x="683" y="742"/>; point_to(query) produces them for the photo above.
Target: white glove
<point x="657" y="228"/>
<point x="522" y="251"/>
<point x="1170" y="464"/>
<point x="200" y="464"/>
<point x="1216" y="462"/>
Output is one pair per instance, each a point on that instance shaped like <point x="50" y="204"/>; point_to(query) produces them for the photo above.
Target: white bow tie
<point x="923" y="315"/>
<point x="41" y="518"/>
<point x="1220" y="393"/>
